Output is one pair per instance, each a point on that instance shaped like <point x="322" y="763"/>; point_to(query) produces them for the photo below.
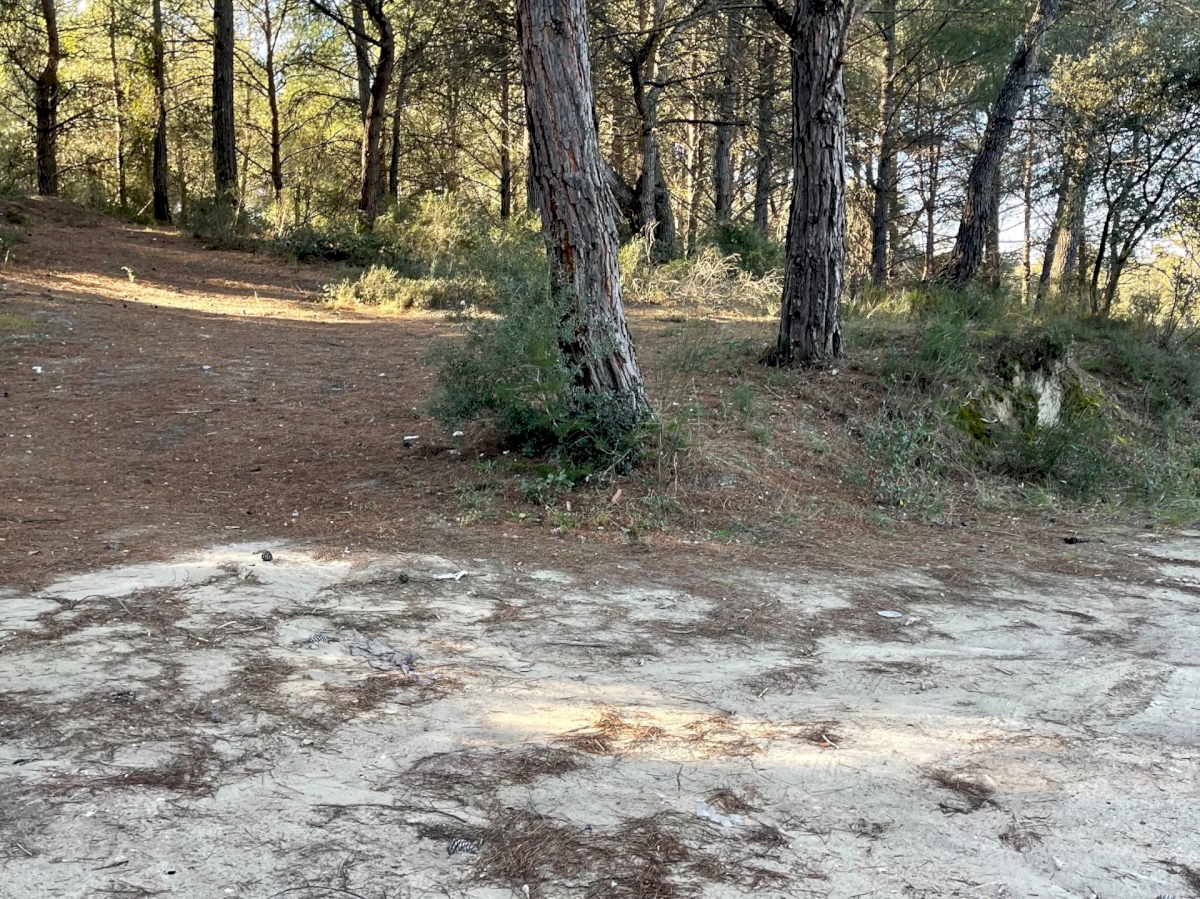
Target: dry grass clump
<point x="486" y="770"/>
<point x="187" y="773"/>
<point x="611" y="733"/>
<point x="503" y="612"/>
<point x="707" y="736"/>
<point x="645" y="858"/>
<point x="783" y="681"/>
<point x="390" y="687"/>
<point x="729" y="802"/>
<point x="1019" y="837"/>
<point x="977" y="789"/>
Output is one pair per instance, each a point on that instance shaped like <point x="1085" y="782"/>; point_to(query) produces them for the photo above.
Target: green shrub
<point x="756" y="253"/>
<point x="512" y="374"/>
<point x="221" y="226"/>
<point x="383" y="288"/>
<point x="307" y="244"/>
<point x="446" y="251"/>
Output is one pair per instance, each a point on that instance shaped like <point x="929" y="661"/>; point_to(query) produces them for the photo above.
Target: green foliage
<point x="381" y="287"/>
<point x="512" y="374"/>
<point x="220" y="226"/>
<point x="974" y="303"/>
<point x="307" y="244"/>
<point x="940" y="423"/>
<point x="441" y="254"/>
<point x="755" y="252"/>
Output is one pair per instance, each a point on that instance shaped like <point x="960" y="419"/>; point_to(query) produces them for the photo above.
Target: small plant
<point x="512" y="373"/>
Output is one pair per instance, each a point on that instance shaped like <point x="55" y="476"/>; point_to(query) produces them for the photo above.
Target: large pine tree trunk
<point x="884" y="171"/>
<point x="162" y="203"/>
<point x="969" y="245"/>
<point x="224" y="142"/>
<point x="573" y="192"/>
<point x="46" y="98"/>
<point x="991" y="254"/>
<point x="810" y="320"/>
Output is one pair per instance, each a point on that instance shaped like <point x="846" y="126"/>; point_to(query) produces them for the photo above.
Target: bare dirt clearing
<point x="221" y="725"/>
<point x="584" y="711"/>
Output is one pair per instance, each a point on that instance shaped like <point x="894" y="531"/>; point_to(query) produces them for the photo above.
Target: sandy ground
<point x="220" y="725"/>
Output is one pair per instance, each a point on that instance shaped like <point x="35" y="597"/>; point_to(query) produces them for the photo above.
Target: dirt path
<point x="180" y="716"/>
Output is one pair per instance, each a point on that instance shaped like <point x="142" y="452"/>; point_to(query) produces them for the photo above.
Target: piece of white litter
<point x="704" y="810"/>
<point x="888" y="613"/>
<point x="37" y="369"/>
<point x="413" y="437"/>
<point x="206" y="367"/>
<point x="295" y="513"/>
<point x="457" y="576"/>
<point x="458" y="433"/>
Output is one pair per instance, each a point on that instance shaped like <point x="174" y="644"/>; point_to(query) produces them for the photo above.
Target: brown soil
<point x="187" y="397"/>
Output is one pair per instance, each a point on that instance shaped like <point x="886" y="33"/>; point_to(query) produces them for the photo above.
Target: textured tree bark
<point x="46" y="98"/>
<point x="273" y="107"/>
<point x="161" y="198"/>
<point x="653" y="213"/>
<point x="764" y="155"/>
<point x="1066" y="282"/>
<point x="362" y="56"/>
<point x="573" y="193"/>
<point x="810" y="320"/>
<point x="1027" y="223"/>
<point x="968" y="251"/>
<point x="991" y="255"/>
<point x="506" y="172"/>
<point x="371" y="179"/>
<point x="224" y="141"/>
<point x="118" y="108"/>
<point x="884" y="171"/>
<point x="726" y="110"/>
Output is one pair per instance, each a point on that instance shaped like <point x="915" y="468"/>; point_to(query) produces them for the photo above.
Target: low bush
<point x="511" y="373"/>
<point x="382" y="288"/>
<point x="755" y="252"/>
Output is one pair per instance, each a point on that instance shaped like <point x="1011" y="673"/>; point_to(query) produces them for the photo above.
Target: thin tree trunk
<point x="371" y="172"/>
<point x="765" y="145"/>
<point x="118" y="108"/>
<point x="162" y="202"/>
<point x="224" y="141"/>
<point x="968" y="251"/>
<point x="273" y="106"/>
<point x="1027" y="225"/>
<point x="362" y="56"/>
<point x="810" y="319"/>
<point x="506" y="174"/>
<point x="180" y="151"/>
<point x="574" y="194"/>
<point x="884" y="177"/>
<point x="1064" y="274"/>
<point x="397" y="121"/>
<point x="1050" y="254"/>
<point x="726" y="110"/>
<point x="46" y="98"/>
<point x="695" y="178"/>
